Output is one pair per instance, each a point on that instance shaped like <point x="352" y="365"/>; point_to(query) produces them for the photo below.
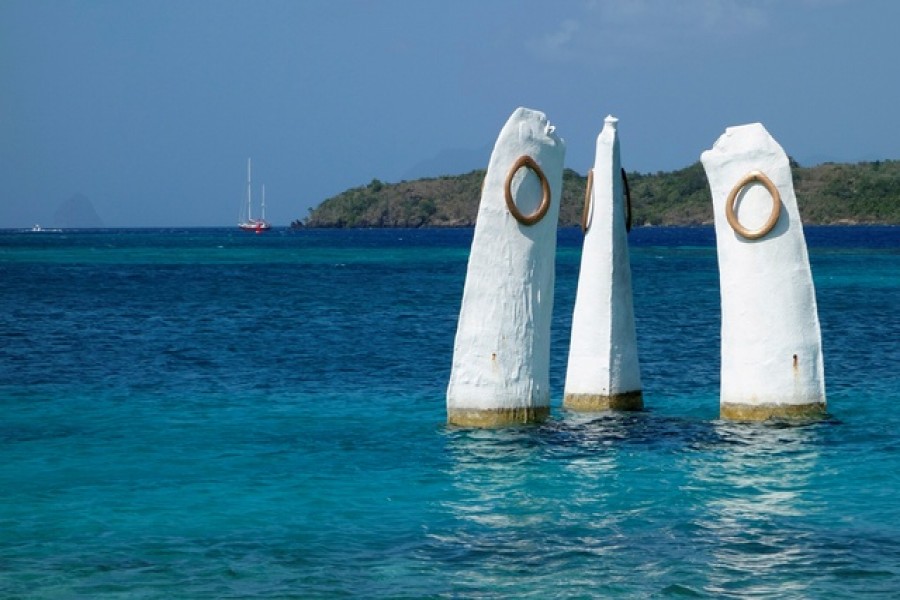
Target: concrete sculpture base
<point x="597" y="402"/>
<point x="499" y="417"/>
<point x="775" y="412"/>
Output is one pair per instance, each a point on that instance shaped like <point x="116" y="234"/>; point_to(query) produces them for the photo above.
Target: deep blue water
<point x="213" y="414"/>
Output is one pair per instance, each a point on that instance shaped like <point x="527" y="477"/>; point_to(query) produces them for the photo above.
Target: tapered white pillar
<point x="603" y="371"/>
<point x="501" y="356"/>
<point x="772" y="363"/>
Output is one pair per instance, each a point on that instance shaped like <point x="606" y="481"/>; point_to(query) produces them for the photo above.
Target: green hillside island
<point x="828" y="194"/>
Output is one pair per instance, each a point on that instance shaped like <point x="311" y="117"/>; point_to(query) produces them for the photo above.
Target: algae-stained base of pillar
<point x="772" y="366"/>
<point x="599" y="402"/>
<point x="772" y="412"/>
<point x="501" y="355"/>
<point x="603" y="372"/>
<point x="500" y="417"/>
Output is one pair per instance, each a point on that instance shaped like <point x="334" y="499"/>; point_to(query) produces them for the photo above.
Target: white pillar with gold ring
<point x="603" y="371"/>
<point x="501" y="356"/>
<point x="772" y="365"/>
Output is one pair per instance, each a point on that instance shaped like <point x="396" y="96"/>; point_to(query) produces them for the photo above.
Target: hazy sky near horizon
<point x="150" y="108"/>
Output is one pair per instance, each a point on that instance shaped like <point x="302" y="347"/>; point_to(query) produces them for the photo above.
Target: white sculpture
<point x="603" y="371"/>
<point x="501" y="356"/>
<point x="772" y="363"/>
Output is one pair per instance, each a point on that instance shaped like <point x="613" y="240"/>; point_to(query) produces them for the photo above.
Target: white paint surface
<point x="603" y="358"/>
<point x="769" y="310"/>
<point x="501" y="356"/>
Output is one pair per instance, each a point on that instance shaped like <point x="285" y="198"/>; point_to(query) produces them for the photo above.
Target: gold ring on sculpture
<point x="732" y="198"/>
<point x="589" y="188"/>
<point x="627" y="202"/>
<point x="588" y="194"/>
<point x="537" y="215"/>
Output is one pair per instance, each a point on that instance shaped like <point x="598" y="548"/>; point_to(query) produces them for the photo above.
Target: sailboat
<point x="250" y="224"/>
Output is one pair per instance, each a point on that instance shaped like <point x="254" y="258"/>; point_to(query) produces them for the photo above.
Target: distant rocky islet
<point x="77" y="212"/>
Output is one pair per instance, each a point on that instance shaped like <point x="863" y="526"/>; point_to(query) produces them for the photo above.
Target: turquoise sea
<point x="213" y="414"/>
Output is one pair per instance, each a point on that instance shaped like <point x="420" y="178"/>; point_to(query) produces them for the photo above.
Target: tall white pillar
<point x="603" y="371"/>
<point x="501" y="356"/>
<point x="772" y="363"/>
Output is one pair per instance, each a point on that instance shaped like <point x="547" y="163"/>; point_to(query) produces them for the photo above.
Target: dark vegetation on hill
<point x="867" y="192"/>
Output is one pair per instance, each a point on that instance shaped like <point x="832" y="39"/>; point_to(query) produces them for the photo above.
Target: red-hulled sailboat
<point x="249" y="223"/>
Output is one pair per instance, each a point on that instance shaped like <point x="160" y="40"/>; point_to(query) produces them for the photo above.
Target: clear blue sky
<point x="151" y="108"/>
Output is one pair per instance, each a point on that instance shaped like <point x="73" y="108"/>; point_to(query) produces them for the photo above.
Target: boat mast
<point x="249" y="209"/>
<point x="263" y="217"/>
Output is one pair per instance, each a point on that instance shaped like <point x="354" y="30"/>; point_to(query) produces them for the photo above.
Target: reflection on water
<point x="587" y="502"/>
<point x="496" y="499"/>
<point x="756" y="491"/>
<point x="633" y="504"/>
<point x="492" y="474"/>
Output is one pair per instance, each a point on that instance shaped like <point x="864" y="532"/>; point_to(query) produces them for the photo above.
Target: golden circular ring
<point x="627" y="202"/>
<point x="732" y="198"/>
<point x="537" y="215"/>
<point x="589" y="188"/>
<point x="588" y="195"/>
